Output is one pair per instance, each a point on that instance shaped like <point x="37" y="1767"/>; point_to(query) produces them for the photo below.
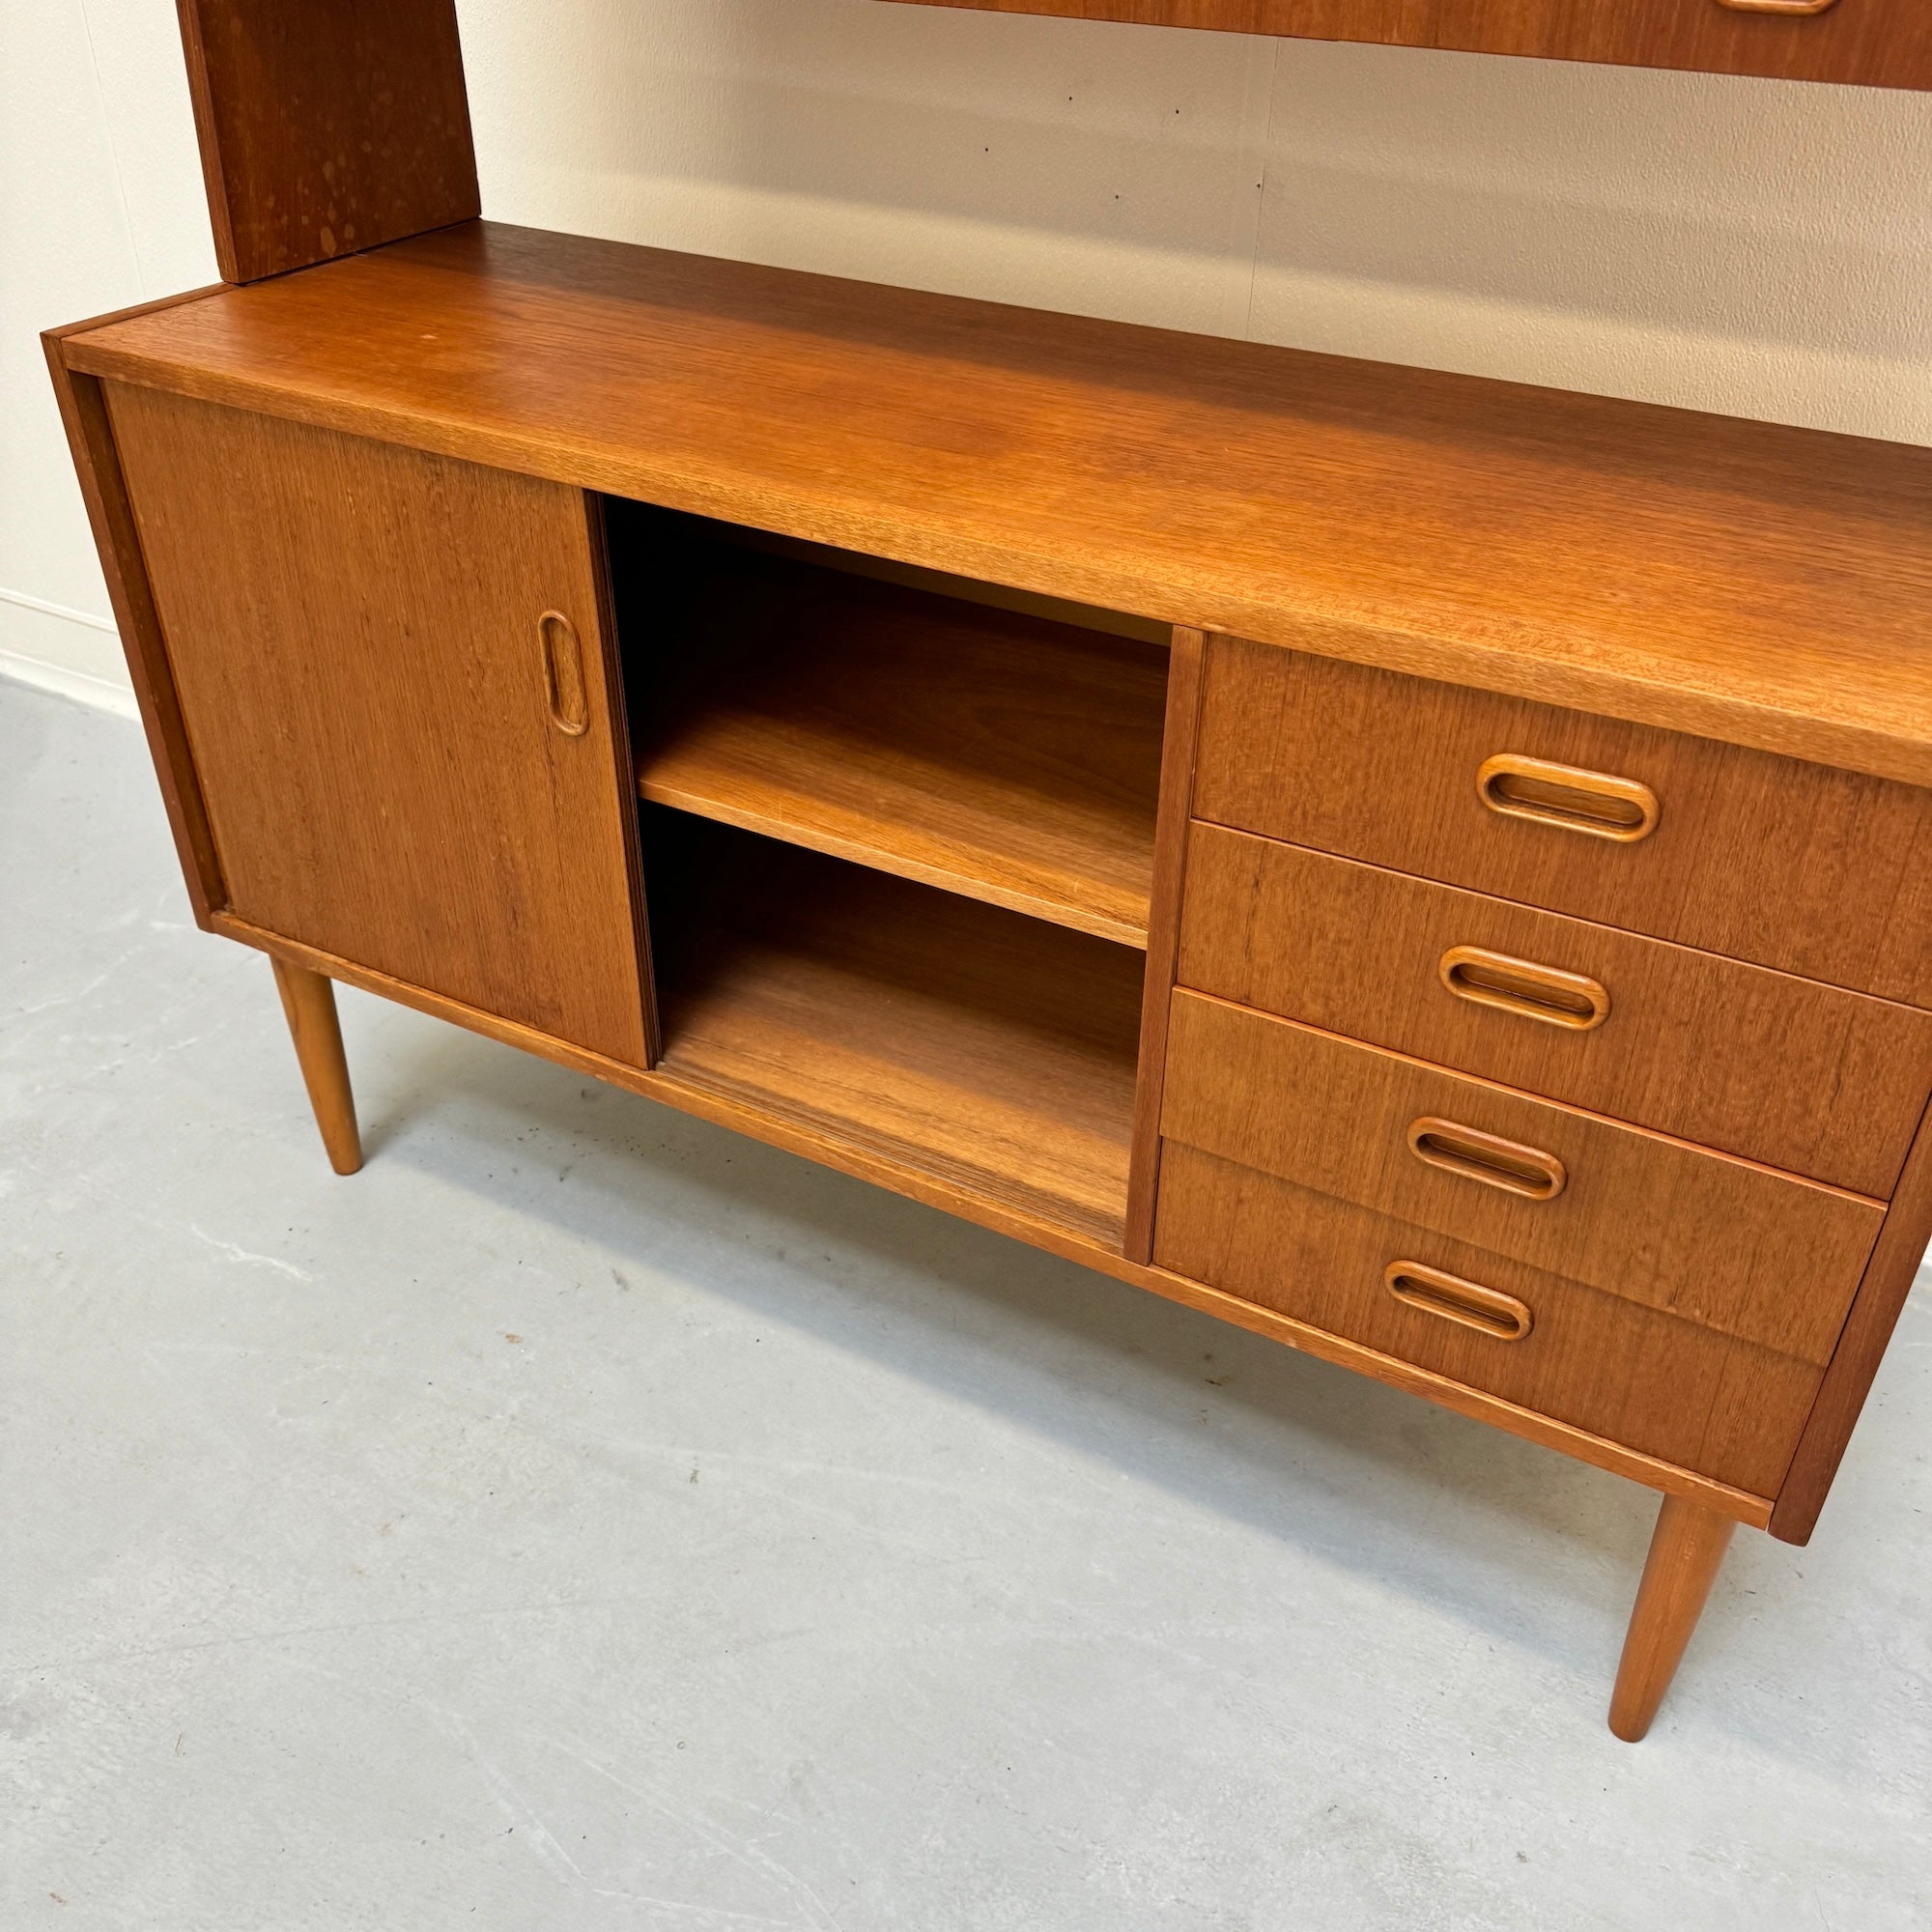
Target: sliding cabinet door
<point x="396" y="681"/>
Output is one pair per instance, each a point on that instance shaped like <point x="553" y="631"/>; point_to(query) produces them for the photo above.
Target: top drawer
<point x="1796" y="866"/>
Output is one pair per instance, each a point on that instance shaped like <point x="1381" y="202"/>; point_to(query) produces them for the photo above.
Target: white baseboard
<point x="55" y="648"/>
<point x="119" y="698"/>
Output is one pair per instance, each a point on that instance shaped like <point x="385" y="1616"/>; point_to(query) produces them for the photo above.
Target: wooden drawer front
<point x="1801" y="1075"/>
<point x="1767" y="859"/>
<point x="1716" y="1242"/>
<point x="1725" y="1408"/>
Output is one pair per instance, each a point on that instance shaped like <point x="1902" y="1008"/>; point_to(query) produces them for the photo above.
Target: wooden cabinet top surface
<point x="1767" y="585"/>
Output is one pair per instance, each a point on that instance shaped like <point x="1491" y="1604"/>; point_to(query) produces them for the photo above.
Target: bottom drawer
<point x="1726" y="1409"/>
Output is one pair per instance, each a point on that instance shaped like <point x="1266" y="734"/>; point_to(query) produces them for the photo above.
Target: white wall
<point x="100" y="205"/>
<point x="1756" y="248"/>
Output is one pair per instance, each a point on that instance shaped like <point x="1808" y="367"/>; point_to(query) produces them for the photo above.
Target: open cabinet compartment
<point x="987" y="1050"/>
<point x="897" y="850"/>
<point x="916" y="724"/>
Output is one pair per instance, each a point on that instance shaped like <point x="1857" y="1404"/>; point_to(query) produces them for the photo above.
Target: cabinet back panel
<point x="354" y="633"/>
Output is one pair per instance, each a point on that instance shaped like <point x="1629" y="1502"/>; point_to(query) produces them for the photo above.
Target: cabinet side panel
<point x="393" y="675"/>
<point x="618" y="701"/>
<point x="1881" y="1300"/>
<point x="327" y="127"/>
<point x="104" y="488"/>
<point x="1170" y="868"/>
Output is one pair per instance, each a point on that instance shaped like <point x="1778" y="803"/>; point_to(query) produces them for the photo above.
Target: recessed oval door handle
<point x="564" y="674"/>
<point x="1487" y="1310"/>
<point x="1521" y="986"/>
<point x="1570" y="798"/>
<point x="1798" y="7"/>
<point x="1495" y="1162"/>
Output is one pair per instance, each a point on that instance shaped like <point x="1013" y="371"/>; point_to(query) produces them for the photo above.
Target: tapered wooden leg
<point x="309" y="1001"/>
<point x="1685" y="1551"/>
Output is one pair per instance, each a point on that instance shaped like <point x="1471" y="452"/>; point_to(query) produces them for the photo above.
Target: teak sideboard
<point x="1435" y="872"/>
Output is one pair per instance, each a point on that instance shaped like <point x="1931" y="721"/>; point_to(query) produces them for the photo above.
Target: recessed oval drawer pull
<point x="1487" y="1310"/>
<point x="564" y="674"/>
<point x="1495" y="1162"/>
<point x="1521" y="987"/>
<point x="1799" y="8"/>
<point x="1568" y="797"/>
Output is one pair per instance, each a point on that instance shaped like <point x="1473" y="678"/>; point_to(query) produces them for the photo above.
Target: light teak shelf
<point x="985" y="1049"/>
<point x="993" y="754"/>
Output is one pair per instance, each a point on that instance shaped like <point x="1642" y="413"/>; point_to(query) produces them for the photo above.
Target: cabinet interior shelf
<point x="993" y="752"/>
<point x="990" y="1051"/>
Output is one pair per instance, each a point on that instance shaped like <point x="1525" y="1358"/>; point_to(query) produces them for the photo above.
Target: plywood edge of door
<point x="617" y="707"/>
<point x="1853" y="723"/>
<point x="996" y="1217"/>
<point x="1881" y="1297"/>
<point x="103" y="488"/>
<point x="1174" y="819"/>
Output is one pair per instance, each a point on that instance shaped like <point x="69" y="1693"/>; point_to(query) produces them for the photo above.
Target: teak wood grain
<point x="1788" y="1071"/>
<point x="1781" y="863"/>
<point x="987" y="1050"/>
<point x="1873" y="43"/>
<point x="981" y="751"/>
<point x="326" y="126"/>
<point x="1170" y="867"/>
<point x="1667" y="1387"/>
<point x="352" y="630"/>
<point x="1768" y="585"/>
<point x="1717" y="1241"/>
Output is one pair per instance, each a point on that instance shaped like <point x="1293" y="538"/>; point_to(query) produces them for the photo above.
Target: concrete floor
<point x="584" y="1519"/>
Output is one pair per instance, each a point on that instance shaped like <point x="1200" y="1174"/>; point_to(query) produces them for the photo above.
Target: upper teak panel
<point x="327" y="127"/>
<point x="1867" y="43"/>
